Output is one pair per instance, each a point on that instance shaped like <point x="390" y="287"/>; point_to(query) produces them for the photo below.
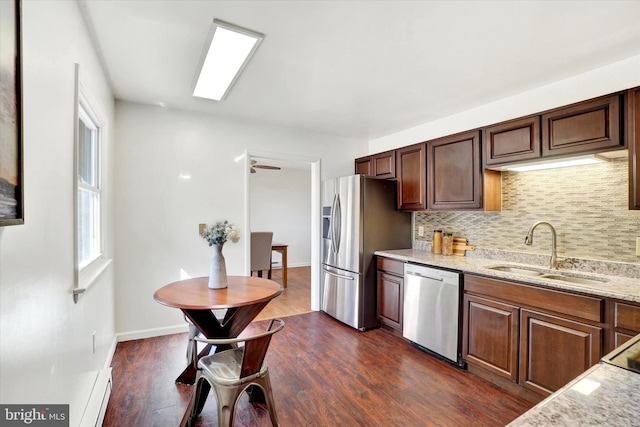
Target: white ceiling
<point x="364" y="69"/>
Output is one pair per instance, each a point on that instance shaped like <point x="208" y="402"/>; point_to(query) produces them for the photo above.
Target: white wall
<point x="280" y="201"/>
<point x="157" y="212"/>
<point x="45" y="339"/>
<point x="612" y="78"/>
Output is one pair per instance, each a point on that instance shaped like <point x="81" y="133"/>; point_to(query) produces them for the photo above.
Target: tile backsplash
<point x="587" y="205"/>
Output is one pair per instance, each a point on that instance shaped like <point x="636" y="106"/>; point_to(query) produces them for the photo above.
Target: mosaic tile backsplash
<point x="587" y="205"/>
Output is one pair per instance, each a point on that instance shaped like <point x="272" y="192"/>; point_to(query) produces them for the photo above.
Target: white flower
<point x="220" y="232"/>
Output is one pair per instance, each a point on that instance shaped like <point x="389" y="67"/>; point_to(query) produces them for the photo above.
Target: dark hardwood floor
<point x="323" y="374"/>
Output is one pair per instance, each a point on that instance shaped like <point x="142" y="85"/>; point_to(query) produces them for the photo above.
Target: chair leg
<point x="227" y="398"/>
<point x="265" y="385"/>
<point x="200" y="393"/>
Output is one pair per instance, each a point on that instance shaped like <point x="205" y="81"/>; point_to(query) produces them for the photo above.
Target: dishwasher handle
<point x="413" y="273"/>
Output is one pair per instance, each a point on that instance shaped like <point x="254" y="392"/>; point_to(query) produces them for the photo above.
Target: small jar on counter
<point x="436" y="242"/>
<point x="447" y="244"/>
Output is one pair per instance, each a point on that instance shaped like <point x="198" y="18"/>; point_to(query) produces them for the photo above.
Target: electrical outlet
<point x="201" y="228"/>
<point x="637" y="246"/>
<point x="420" y="231"/>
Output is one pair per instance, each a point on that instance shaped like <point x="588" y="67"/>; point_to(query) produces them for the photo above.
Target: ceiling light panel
<point x="227" y="51"/>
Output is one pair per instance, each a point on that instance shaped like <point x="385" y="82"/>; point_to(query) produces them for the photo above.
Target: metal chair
<point x="261" y="252"/>
<point x="231" y="372"/>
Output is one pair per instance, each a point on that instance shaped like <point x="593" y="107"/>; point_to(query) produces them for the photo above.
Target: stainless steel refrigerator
<point x="359" y="217"/>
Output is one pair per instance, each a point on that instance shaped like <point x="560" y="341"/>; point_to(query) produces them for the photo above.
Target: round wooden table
<point x="243" y="300"/>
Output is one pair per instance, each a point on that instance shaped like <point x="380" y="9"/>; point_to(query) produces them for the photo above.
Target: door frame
<point x="315" y="213"/>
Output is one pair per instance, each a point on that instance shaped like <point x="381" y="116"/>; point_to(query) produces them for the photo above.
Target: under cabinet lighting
<point x="227" y="51"/>
<point x="552" y="164"/>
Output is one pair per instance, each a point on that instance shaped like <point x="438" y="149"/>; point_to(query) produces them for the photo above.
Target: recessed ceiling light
<point x="227" y="51"/>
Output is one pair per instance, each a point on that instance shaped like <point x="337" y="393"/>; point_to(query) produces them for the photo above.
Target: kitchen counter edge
<point x="622" y="288"/>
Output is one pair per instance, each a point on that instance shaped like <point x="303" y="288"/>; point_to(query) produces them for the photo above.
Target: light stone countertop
<point x="619" y="287"/>
<point x="615" y="401"/>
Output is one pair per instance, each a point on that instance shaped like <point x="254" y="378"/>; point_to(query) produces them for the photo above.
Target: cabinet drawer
<point x="582" y="306"/>
<point x="626" y="316"/>
<point x="391" y="266"/>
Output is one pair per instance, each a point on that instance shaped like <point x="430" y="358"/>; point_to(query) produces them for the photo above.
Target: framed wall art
<point x="11" y="161"/>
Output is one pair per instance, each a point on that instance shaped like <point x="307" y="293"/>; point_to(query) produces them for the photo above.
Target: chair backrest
<point x="261" y="250"/>
<point x="255" y="347"/>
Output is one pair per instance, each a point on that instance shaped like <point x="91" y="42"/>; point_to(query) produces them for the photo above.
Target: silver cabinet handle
<point x="331" y="273"/>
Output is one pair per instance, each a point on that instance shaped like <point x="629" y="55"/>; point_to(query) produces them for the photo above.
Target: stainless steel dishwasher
<point x="431" y="310"/>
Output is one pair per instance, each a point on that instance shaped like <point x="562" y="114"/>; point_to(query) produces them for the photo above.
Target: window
<point x="89" y="212"/>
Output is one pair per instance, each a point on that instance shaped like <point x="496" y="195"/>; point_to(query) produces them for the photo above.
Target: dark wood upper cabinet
<point x="587" y="127"/>
<point x="455" y="175"/>
<point x="633" y="142"/>
<point x="364" y="166"/>
<point x="453" y="165"/>
<point x="411" y="172"/>
<point x="513" y="141"/>
<point x="381" y="165"/>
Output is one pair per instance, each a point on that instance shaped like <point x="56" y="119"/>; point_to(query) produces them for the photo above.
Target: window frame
<point x="87" y="116"/>
<point x="88" y="272"/>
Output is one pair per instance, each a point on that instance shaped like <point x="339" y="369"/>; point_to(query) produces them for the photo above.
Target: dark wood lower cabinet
<point x="491" y="336"/>
<point x="553" y="351"/>
<point x="390" y="298"/>
<point x="530" y="339"/>
<point x="390" y="292"/>
<point x="625" y="321"/>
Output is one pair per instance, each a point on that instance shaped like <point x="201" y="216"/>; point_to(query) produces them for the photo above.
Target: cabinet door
<point x="454" y="172"/>
<point x="384" y="165"/>
<point x="553" y="351"/>
<point x="587" y="127"/>
<point x="390" y="299"/>
<point x="412" y="177"/>
<point x="364" y="166"/>
<point x="490" y="335"/>
<point x="633" y="135"/>
<point x="512" y="141"/>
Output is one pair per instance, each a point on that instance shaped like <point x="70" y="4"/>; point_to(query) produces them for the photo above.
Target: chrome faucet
<point x="528" y="240"/>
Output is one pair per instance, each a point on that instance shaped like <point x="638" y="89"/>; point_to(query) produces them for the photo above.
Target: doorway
<point x="282" y="194"/>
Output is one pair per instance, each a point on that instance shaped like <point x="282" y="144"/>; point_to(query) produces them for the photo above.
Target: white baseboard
<point x="150" y="333"/>
<point x="278" y="266"/>
<point x="98" y="400"/>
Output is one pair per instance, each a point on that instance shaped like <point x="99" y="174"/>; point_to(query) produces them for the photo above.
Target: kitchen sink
<point x="575" y="279"/>
<point x="548" y="274"/>
<point x="517" y="270"/>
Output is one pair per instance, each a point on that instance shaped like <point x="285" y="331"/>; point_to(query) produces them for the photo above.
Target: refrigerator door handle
<point x="340" y="276"/>
<point x="333" y="224"/>
<point x="337" y="230"/>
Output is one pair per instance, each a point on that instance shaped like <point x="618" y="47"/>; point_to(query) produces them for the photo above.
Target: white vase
<point x="218" y="270"/>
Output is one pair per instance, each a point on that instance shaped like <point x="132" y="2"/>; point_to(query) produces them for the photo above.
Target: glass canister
<point x="436" y="242"/>
<point x="447" y="244"/>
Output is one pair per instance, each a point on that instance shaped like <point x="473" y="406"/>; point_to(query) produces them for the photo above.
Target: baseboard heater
<point x="98" y="400"/>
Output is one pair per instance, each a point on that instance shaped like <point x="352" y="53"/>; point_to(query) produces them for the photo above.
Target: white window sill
<point x="89" y="275"/>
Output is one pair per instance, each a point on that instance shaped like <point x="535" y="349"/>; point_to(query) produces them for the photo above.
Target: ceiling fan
<point x="254" y="165"/>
